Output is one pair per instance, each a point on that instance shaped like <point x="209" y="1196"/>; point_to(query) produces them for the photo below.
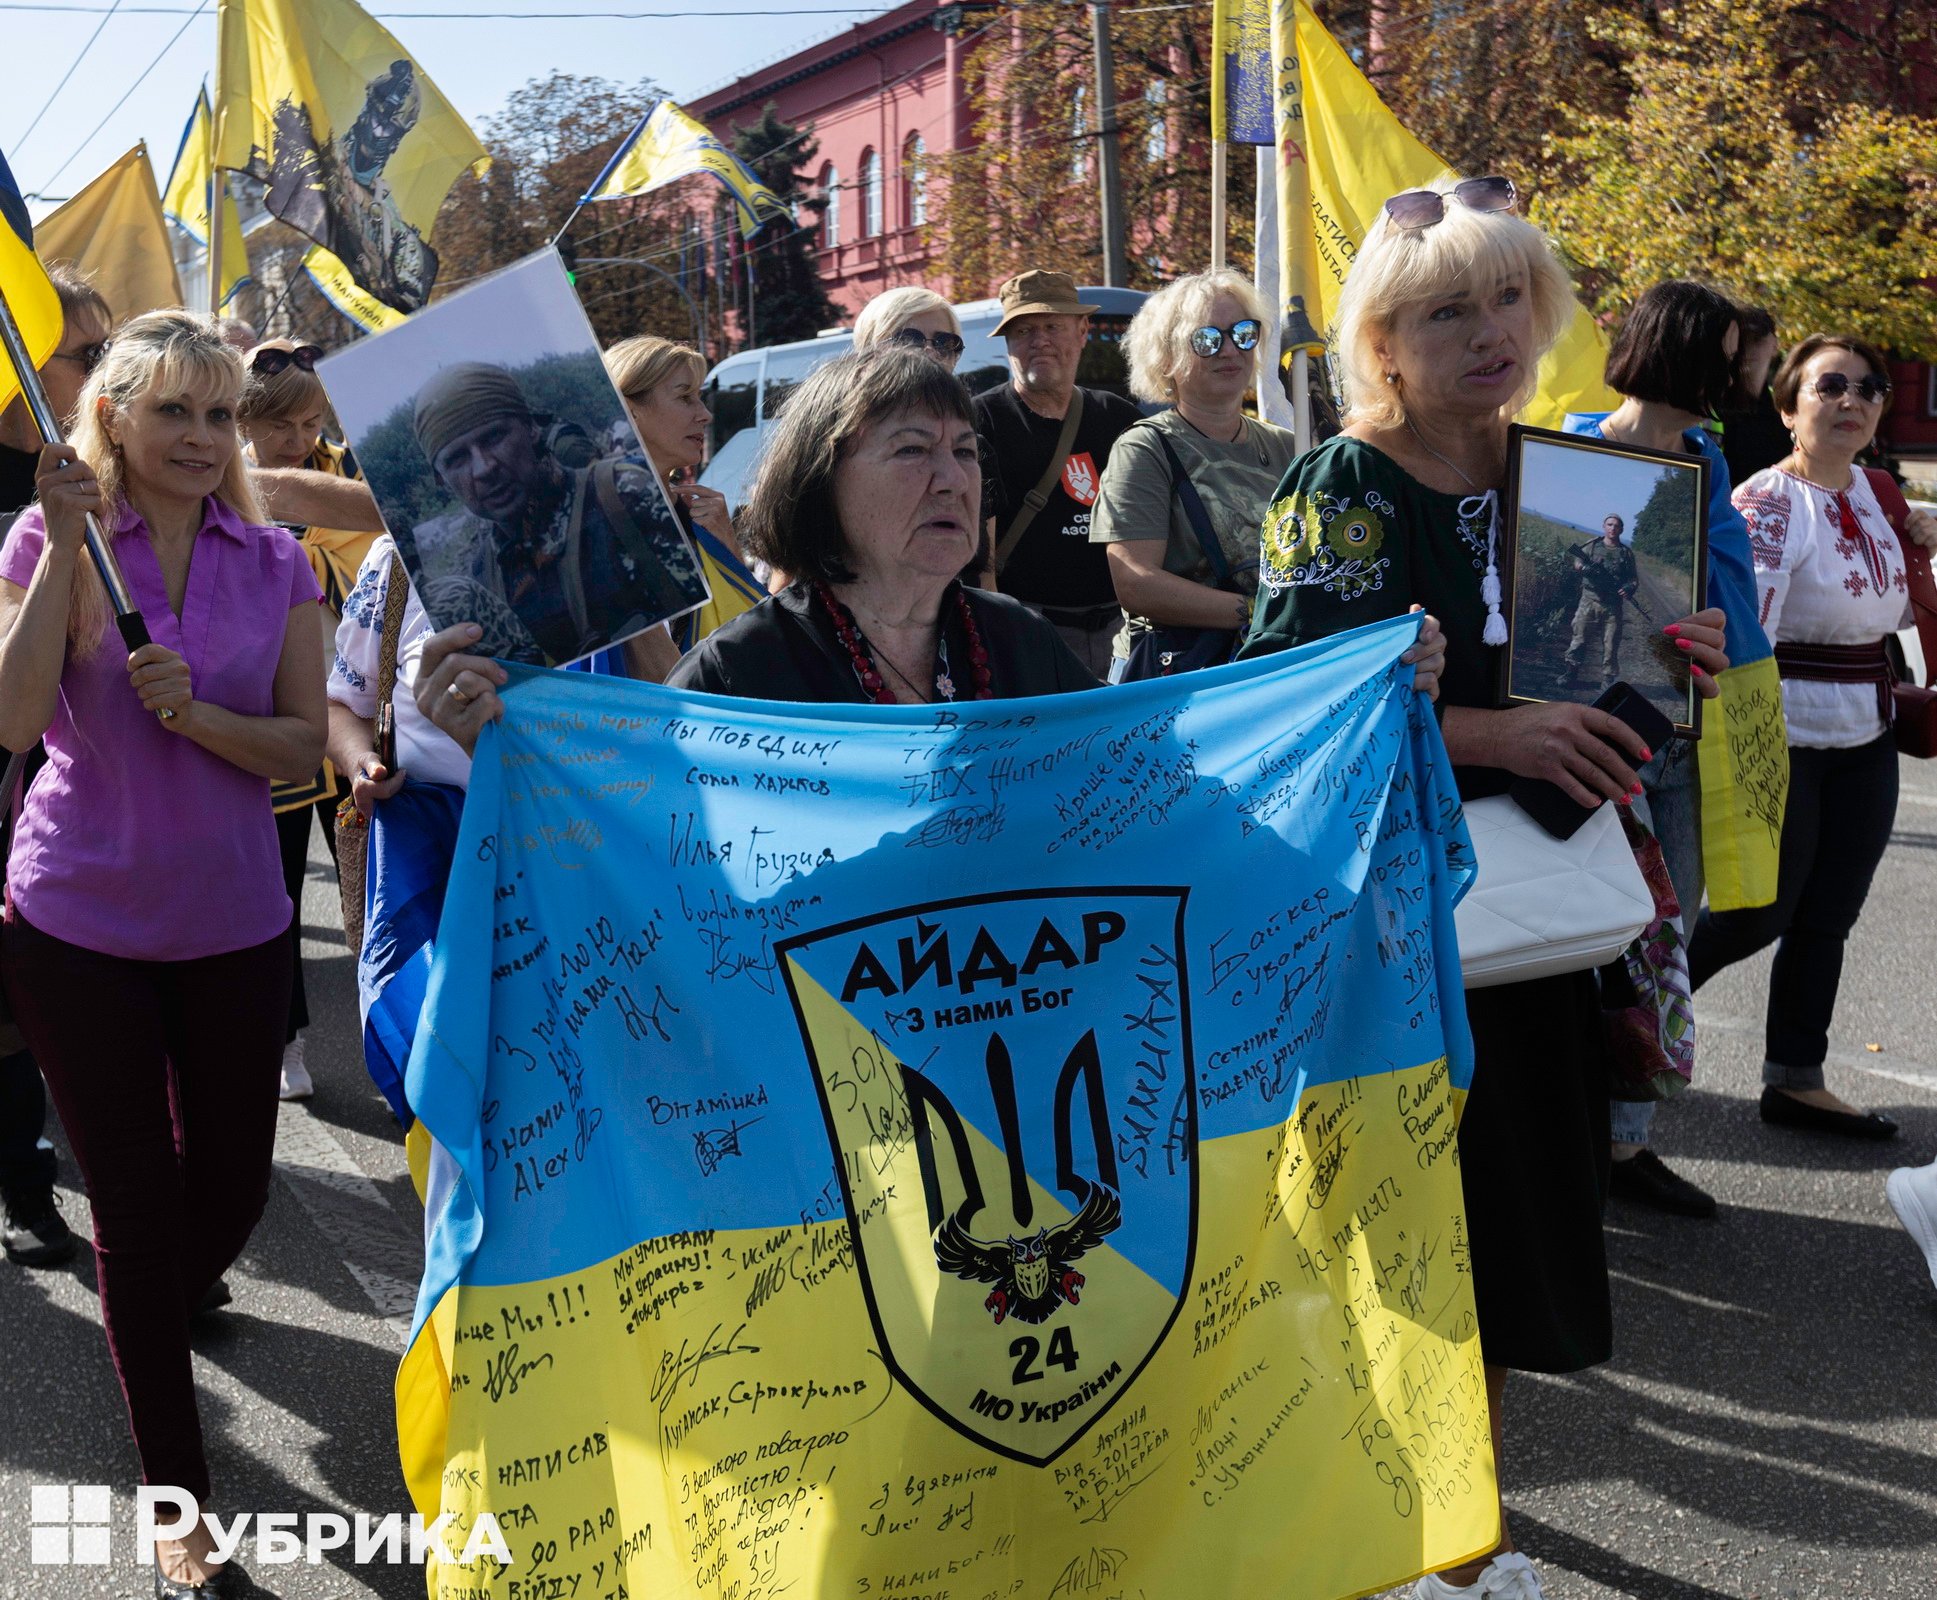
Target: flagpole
<point x="605" y="172"/>
<point x="1218" y="221"/>
<point x="218" y="189"/>
<point x="127" y="615"/>
<point x="1301" y="400"/>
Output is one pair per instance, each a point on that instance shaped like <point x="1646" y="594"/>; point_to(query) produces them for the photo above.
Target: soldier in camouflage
<point x="1607" y="574"/>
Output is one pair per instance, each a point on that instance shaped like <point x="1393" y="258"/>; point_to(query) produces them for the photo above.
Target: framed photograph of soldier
<point x="505" y="465"/>
<point x="1603" y="545"/>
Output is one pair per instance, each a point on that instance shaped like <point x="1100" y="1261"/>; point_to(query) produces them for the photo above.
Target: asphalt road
<point x="1765" y="1429"/>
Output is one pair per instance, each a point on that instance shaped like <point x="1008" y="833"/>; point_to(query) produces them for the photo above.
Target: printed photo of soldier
<point x="1608" y="577"/>
<point x="554" y="551"/>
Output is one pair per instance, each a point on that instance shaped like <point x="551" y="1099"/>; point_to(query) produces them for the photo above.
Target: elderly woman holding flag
<point x="1450" y="304"/>
<point x="146" y="945"/>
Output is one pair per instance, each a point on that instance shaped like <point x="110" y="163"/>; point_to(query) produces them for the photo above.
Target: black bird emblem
<point x="1035" y="1274"/>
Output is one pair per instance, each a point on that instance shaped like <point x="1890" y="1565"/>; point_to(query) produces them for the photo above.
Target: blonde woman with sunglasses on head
<point x="917" y="319"/>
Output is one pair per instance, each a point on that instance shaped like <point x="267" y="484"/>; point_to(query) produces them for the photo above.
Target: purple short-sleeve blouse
<point x="134" y="841"/>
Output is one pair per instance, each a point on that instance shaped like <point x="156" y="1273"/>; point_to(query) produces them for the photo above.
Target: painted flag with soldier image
<point x="1014" y="1142"/>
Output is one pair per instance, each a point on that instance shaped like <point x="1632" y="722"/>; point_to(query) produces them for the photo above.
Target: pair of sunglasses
<point x="267" y="363"/>
<point x="1422" y="208"/>
<point x="946" y="344"/>
<point x="1871" y="390"/>
<point x="1206" y="342"/>
<point x="89" y="355"/>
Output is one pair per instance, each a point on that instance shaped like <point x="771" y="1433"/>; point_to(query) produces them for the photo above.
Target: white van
<point x="745" y="391"/>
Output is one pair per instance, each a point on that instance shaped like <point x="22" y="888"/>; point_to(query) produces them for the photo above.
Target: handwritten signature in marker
<point x="681" y="1370"/>
<point x="711" y="1146"/>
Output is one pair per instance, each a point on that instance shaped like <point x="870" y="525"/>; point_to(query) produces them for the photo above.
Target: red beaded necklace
<point x="862" y="658"/>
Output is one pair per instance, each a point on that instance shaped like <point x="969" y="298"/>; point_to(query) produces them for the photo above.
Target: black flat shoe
<point x="230" y="1583"/>
<point x="1644" y="1178"/>
<point x="1786" y="1111"/>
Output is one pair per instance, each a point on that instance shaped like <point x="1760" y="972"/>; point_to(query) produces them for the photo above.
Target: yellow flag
<point x="23" y="280"/>
<point x="670" y="144"/>
<point x="185" y="201"/>
<point x="1341" y="156"/>
<point x="114" y="233"/>
<point x="356" y="146"/>
<point x="1241" y="71"/>
<point x="341" y="289"/>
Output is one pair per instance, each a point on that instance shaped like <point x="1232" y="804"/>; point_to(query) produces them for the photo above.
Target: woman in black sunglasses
<point x="918" y="318"/>
<point x="1832" y="584"/>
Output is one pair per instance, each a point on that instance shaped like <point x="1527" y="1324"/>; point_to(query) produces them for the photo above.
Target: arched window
<point x="1156" y="138"/>
<point x="914" y="173"/>
<point x="831" y="217"/>
<point x="870" y="194"/>
<point x="1079" y="144"/>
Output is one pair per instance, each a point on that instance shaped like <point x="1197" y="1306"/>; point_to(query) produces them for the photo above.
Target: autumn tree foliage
<point x="1755" y="148"/>
<point x="547" y="146"/>
<point x="1024" y="193"/>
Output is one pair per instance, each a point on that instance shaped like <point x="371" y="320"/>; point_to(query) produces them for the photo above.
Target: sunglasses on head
<point x="1421" y="208"/>
<point x="1206" y="342"/>
<point x="1870" y="390"/>
<point x="947" y="344"/>
<point x="89" y="355"/>
<point x="268" y="363"/>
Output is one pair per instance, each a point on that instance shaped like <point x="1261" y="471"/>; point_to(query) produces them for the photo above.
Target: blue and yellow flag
<point x="356" y="147"/>
<point x="1242" y="85"/>
<point x="185" y="199"/>
<point x="1014" y="1139"/>
<point x="23" y="280"/>
<point x="1744" y="755"/>
<point x="1341" y="155"/>
<point x="670" y="144"/>
<point x="733" y="587"/>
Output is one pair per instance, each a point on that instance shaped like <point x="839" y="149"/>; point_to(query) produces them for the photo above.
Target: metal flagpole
<point x="127" y="615"/>
<point x="1218" y="187"/>
<point x="1301" y="400"/>
<point x="218" y="195"/>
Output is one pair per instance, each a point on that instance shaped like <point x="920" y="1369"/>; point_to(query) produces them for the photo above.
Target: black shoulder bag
<point x="1161" y="652"/>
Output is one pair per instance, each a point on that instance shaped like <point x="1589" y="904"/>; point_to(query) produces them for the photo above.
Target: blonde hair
<point x="176" y="354"/>
<point x="1398" y="267"/>
<point x="1157" y="344"/>
<point x="887" y="314"/>
<point x="640" y="364"/>
<point x="281" y="396"/>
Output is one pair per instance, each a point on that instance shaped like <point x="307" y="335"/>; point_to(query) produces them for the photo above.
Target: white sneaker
<point x="1506" y="1577"/>
<point x="296" y="1084"/>
<point x="1913" y="1196"/>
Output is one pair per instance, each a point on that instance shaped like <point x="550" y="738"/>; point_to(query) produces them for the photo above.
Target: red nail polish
<point x="1624" y="799"/>
<point x="1636" y="791"/>
<point x="1647" y="754"/>
<point x="1672" y="630"/>
<point x="1696" y="670"/>
<point x="1684" y="644"/>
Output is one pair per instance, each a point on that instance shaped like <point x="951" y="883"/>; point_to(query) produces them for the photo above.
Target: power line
<point x="124" y="98"/>
<point x="64" y="77"/>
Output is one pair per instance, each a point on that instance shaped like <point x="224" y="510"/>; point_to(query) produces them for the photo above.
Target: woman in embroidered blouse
<point x="147" y="954"/>
<point x="1450" y="304"/>
<point x="1832" y="586"/>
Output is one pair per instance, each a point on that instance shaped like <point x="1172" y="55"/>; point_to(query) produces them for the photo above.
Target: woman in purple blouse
<point x="146" y="935"/>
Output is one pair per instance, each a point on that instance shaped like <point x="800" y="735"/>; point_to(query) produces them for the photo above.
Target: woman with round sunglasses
<point x="918" y="319"/>
<point x="1193" y="346"/>
<point x="1445" y="315"/>
<point x="282" y="415"/>
<point x="1830" y="571"/>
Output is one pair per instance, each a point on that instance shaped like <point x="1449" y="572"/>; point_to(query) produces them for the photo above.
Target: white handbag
<point x="1542" y="905"/>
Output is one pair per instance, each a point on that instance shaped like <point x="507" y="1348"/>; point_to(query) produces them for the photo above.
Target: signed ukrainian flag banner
<point x="979" y="1150"/>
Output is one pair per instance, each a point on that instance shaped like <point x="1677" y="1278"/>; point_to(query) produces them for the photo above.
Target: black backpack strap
<point x="1194" y="512"/>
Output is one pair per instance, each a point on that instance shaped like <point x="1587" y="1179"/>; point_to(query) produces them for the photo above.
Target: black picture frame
<point x="1565" y="602"/>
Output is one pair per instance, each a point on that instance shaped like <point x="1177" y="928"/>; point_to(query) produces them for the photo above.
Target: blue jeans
<point x="1672" y="786"/>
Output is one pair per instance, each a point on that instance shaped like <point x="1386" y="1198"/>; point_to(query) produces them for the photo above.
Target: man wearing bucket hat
<point x="553" y="561"/>
<point x="1045" y="443"/>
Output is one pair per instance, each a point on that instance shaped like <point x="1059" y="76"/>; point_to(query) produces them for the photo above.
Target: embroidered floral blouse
<point x="1351" y="537"/>
<point x="1828" y="570"/>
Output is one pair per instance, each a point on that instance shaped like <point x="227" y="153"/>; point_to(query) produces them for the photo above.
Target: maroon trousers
<point x="165" y="1077"/>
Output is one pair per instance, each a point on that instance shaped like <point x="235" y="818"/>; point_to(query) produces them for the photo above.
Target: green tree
<point x="1661" y="527"/>
<point x="789" y="300"/>
<point x="1750" y="152"/>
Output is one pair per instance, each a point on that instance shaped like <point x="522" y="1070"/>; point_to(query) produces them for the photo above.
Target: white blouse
<point x="1828" y="570"/>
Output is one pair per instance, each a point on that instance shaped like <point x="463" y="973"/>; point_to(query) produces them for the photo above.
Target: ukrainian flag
<point x="1241" y="87"/>
<point x="734" y="589"/>
<point x="670" y="144"/>
<point x="30" y="297"/>
<point x="185" y="199"/>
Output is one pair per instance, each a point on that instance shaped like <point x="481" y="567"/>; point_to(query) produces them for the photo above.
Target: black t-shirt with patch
<point x="1055" y="564"/>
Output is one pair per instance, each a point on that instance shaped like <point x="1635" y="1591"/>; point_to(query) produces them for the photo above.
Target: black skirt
<point x="1533" y="1150"/>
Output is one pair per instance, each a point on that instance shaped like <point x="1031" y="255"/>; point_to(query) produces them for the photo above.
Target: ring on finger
<point x="458" y="695"/>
